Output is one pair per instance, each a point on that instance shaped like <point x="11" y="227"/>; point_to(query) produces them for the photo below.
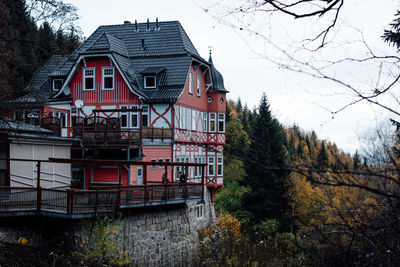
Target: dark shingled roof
<point x="217" y="79"/>
<point x="41" y="79"/>
<point x="142" y="49"/>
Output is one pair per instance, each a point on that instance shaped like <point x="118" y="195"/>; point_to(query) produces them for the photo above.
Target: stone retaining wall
<point x="157" y="236"/>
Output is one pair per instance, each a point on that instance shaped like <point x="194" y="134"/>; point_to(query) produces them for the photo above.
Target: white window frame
<point x="191" y="83"/>
<point x="54" y="82"/>
<point x="220" y="163"/>
<point x="199" y="210"/>
<point x="160" y="160"/>
<point x="84" y="79"/>
<point x="131" y="114"/>
<point x="223" y="121"/>
<point x="127" y="117"/>
<point x="183" y="118"/>
<point x="146" y="113"/>
<point x="194" y="117"/>
<point x="211" y="162"/>
<point x="103" y="76"/>
<point x="145" y="81"/>
<point x="198" y="85"/>
<point x="212" y="114"/>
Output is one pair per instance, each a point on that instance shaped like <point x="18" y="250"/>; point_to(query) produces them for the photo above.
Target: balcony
<point x="105" y="199"/>
<point x="105" y="132"/>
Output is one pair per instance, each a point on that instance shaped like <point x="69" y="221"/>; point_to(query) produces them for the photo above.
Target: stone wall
<point x="156" y="236"/>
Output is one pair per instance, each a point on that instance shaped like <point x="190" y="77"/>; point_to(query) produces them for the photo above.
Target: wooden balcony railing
<point x="97" y="199"/>
<point x="104" y="200"/>
<point x="101" y="131"/>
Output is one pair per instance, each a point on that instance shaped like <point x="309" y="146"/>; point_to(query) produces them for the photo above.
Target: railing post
<point x="119" y="188"/>
<point x="38" y="189"/>
<point x="187" y="177"/>
<point x="97" y="201"/>
<point x="162" y="134"/>
<point x="145" y="182"/>
<point x="202" y="182"/>
<point x="69" y="201"/>
<point x="166" y="182"/>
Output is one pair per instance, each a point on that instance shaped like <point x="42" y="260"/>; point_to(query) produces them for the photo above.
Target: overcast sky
<point x="294" y="98"/>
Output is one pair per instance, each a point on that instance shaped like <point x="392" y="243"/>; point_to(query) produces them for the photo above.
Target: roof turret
<point x="217" y="79"/>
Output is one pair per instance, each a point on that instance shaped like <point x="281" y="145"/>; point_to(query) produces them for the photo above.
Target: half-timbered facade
<point x="136" y="91"/>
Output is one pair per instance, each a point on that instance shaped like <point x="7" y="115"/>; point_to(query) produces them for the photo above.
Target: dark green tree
<point x="392" y="36"/>
<point x="322" y="157"/>
<point x="265" y="167"/>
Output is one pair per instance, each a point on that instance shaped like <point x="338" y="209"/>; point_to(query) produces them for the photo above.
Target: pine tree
<point x="322" y="157"/>
<point x="266" y="199"/>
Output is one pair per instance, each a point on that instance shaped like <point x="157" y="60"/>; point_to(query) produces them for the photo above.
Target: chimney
<point x="148" y="25"/>
<point x="127" y="22"/>
<point x="157" y="25"/>
<point x="136" y="26"/>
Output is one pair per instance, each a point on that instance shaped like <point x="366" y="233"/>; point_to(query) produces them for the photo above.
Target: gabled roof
<point x="107" y="43"/>
<point x="41" y="79"/>
<point x="142" y="48"/>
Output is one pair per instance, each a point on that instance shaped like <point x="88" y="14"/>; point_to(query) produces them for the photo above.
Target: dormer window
<point x="198" y="85"/>
<point x="57" y="84"/>
<point x="108" y="78"/>
<point x="191" y="83"/>
<point x="149" y="82"/>
<point x="88" y="79"/>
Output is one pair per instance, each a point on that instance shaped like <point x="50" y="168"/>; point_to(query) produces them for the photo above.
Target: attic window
<point x="57" y="84"/>
<point x="108" y="78"/>
<point x="149" y="81"/>
<point x="88" y="79"/>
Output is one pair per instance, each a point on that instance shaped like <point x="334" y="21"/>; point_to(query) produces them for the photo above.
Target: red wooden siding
<point x="120" y="95"/>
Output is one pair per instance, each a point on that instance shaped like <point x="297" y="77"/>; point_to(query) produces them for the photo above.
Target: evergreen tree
<point x="322" y="157"/>
<point x="266" y="199"/>
<point x="393" y="36"/>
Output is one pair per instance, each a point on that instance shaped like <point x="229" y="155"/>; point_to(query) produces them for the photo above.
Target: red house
<point x="136" y="91"/>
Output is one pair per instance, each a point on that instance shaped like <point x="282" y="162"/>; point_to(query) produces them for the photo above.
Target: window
<point x="183" y="118"/>
<point x="191" y="83"/>
<point x="199" y="169"/>
<point x="194" y="120"/>
<point x="124" y="117"/>
<point x="211" y="126"/>
<point x="198" y="85"/>
<point x="108" y="78"/>
<point x="134" y="118"/>
<point x="161" y="161"/>
<point x="205" y="121"/>
<point x="88" y="79"/>
<point x="149" y="81"/>
<point x="221" y="123"/>
<point x="153" y="166"/>
<point x="145" y="116"/>
<point x="211" y="166"/>
<point x="199" y="211"/>
<point x="57" y="84"/>
<point x="220" y="166"/>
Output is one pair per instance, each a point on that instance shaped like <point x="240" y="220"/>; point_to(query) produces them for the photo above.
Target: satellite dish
<point x="33" y="115"/>
<point x="131" y="70"/>
<point x="79" y="103"/>
<point x="67" y="90"/>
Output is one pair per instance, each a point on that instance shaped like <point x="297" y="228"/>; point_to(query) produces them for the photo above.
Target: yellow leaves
<point x="229" y="224"/>
<point x="22" y="241"/>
